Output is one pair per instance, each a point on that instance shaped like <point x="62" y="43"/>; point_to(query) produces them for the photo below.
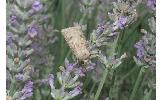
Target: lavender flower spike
<point x="27" y="91"/>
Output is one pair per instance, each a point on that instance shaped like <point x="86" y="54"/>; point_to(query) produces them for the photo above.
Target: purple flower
<point x="37" y="5"/>
<point x="140" y="49"/>
<point x="76" y="91"/>
<point x="32" y="31"/>
<point x="79" y="71"/>
<point x="10" y="38"/>
<point x="107" y="98"/>
<point x="27" y="91"/>
<point x="19" y="77"/>
<point x="69" y="67"/>
<point x="13" y="19"/>
<point x="49" y="80"/>
<point x="151" y="3"/>
<point x="37" y="48"/>
<point x="139" y="44"/>
<point x="100" y="28"/>
<point x="90" y="66"/>
<point x="120" y="23"/>
<point x="140" y="53"/>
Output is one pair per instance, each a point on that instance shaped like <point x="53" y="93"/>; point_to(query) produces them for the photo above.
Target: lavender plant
<point x="27" y="46"/>
<point x="81" y="50"/>
<point x="68" y="79"/>
<point x="146" y="56"/>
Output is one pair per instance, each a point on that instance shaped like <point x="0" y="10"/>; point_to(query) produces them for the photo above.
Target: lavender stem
<point x="101" y="84"/>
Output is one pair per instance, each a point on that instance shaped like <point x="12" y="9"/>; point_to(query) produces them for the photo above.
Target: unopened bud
<point x="16" y="60"/>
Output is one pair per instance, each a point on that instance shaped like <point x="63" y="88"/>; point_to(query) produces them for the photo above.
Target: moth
<point x="77" y="42"/>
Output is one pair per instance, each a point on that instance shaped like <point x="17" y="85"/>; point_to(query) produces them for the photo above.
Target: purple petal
<point x="151" y="3"/>
<point x="49" y="80"/>
<point x="70" y="67"/>
<point x="79" y="71"/>
<point x="76" y="91"/>
<point x="120" y="23"/>
<point x="13" y="19"/>
<point x="32" y="31"/>
<point x="27" y="91"/>
<point x="37" y="5"/>
<point x="140" y="49"/>
<point x="19" y="77"/>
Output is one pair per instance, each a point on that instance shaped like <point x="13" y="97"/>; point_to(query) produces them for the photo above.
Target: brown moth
<point x="76" y="41"/>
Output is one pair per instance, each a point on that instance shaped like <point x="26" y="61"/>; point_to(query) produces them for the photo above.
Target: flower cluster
<point x="68" y="78"/>
<point x="146" y="47"/>
<point x="27" y="91"/>
<point x="107" y="33"/>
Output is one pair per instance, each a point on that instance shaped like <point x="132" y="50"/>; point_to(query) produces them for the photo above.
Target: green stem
<point x="92" y="88"/>
<point x="91" y="91"/>
<point x="62" y="38"/>
<point x="148" y="95"/>
<point x="137" y="83"/>
<point x="62" y="13"/>
<point x="129" y="73"/>
<point x="101" y="84"/>
<point x="82" y="18"/>
<point x="12" y="88"/>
